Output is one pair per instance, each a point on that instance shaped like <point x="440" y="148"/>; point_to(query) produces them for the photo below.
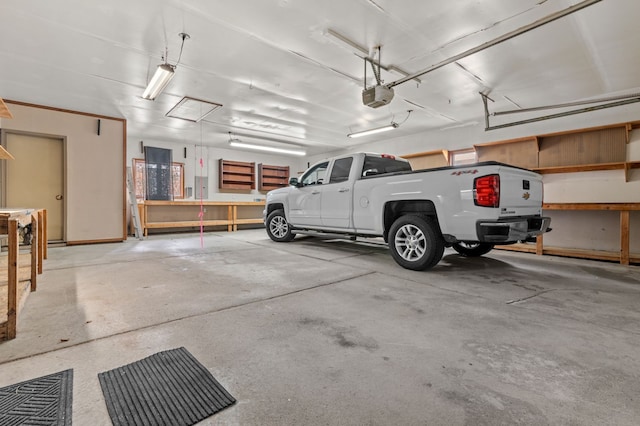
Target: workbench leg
<point x="539" y="245"/>
<point x="145" y="230"/>
<point x="230" y="218"/>
<point x="235" y="218"/>
<point x="34" y="251"/>
<point x="624" y="237"/>
<point x="45" y="236"/>
<point x="41" y="241"/>
<point x="142" y="215"/>
<point x="12" y="285"/>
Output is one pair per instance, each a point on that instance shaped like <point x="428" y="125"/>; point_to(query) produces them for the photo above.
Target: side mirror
<point x="293" y="181"/>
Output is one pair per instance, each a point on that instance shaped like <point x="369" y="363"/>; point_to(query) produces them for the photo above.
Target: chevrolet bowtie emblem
<point x="526" y="195"/>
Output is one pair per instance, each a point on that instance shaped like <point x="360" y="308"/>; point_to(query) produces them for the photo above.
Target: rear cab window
<point x="377" y="165"/>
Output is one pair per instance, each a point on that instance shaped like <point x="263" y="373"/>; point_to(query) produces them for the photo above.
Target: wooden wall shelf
<point x="627" y="166"/>
<point x="584" y="150"/>
<point x="272" y="177"/>
<point x="237" y="175"/>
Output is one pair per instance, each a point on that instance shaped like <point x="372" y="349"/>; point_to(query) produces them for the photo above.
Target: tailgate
<point x="520" y="192"/>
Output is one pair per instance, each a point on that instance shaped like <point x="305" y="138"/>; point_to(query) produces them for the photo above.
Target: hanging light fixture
<point x="374" y="131"/>
<point x="391" y="126"/>
<point x="237" y="143"/>
<point x="164" y="73"/>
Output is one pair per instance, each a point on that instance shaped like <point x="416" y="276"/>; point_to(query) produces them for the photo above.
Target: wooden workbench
<point x="17" y="282"/>
<point x="181" y="214"/>
<point x="624" y="256"/>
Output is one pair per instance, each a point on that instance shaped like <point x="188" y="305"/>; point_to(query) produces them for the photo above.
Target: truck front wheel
<point x="278" y="228"/>
<point x="415" y="242"/>
<point x="472" y="249"/>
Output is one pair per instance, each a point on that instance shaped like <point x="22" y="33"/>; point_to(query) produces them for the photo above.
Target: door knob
<point x="58" y="197"/>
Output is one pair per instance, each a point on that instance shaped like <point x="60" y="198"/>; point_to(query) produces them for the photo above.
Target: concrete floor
<point x="325" y="332"/>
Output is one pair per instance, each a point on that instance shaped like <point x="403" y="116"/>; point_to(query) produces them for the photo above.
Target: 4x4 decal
<point x="464" y="172"/>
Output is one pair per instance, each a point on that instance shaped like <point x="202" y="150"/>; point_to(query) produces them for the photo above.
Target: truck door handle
<point x="315" y="192"/>
<point x="343" y="190"/>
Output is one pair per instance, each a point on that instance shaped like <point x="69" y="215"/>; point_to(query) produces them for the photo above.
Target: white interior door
<point x="35" y="179"/>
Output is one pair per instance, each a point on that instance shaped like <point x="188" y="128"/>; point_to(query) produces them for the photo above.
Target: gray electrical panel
<point x="201" y="188"/>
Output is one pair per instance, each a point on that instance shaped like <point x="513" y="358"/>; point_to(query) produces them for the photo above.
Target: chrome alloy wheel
<point x="410" y="242"/>
<point x="279" y="226"/>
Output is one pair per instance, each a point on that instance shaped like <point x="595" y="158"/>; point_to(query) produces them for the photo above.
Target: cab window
<point x="340" y="170"/>
<point x="380" y="165"/>
<point x="316" y="175"/>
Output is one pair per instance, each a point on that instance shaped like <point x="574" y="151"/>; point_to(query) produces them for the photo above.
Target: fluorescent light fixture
<point x="373" y="131"/>
<point x="163" y="75"/>
<point x="237" y="143"/>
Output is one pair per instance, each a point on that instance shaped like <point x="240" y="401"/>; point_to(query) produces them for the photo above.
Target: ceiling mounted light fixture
<point x="386" y="128"/>
<point x="237" y="143"/>
<point x="164" y="73"/>
<point x="374" y="131"/>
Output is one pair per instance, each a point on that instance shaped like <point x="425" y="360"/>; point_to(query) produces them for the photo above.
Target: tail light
<point x="486" y="191"/>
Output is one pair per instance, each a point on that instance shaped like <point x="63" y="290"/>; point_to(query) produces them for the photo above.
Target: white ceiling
<point x="280" y="77"/>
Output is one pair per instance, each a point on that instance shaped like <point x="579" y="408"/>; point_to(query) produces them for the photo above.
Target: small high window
<point x="465" y="156"/>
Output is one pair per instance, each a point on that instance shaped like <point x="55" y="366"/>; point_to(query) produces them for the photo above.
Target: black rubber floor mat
<point x="42" y="401"/>
<point x="167" y="388"/>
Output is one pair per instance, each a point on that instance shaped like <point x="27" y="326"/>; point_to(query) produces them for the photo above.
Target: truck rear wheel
<point x="415" y="242"/>
<point x="472" y="249"/>
<point x="278" y="228"/>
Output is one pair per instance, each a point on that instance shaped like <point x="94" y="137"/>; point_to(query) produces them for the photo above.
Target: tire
<point x="472" y="249"/>
<point x="415" y="242"/>
<point x="278" y="228"/>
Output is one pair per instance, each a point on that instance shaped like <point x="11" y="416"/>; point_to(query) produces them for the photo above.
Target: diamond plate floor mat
<point x="42" y="401"/>
<point x="167" y="388"/>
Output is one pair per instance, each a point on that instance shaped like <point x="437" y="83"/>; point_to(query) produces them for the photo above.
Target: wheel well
<point x="394" y="209"/>
<point x="274" y="206"/>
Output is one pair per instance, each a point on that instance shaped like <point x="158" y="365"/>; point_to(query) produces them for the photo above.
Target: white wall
<point x="210" y="156"/>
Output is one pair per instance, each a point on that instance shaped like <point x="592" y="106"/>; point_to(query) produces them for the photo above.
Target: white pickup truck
<point x="418" y="213"/>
